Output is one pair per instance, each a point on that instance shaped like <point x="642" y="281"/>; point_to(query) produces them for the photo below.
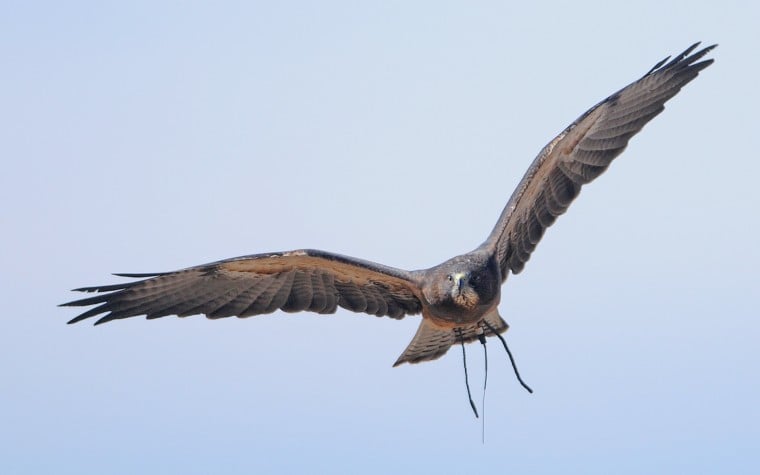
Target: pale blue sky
<point x="153" y="136"/>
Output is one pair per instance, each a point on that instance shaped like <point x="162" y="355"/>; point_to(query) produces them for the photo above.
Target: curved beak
<point x="459" y="280"/>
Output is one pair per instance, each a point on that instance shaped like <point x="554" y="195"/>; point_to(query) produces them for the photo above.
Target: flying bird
<point x="459" y="298"/>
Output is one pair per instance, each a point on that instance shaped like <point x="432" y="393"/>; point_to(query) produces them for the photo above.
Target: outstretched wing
<point x="305" y="280"/>
<point x="581" y="153"/>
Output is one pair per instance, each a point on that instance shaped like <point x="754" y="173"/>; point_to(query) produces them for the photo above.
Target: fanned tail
<point x="432" y="341"/>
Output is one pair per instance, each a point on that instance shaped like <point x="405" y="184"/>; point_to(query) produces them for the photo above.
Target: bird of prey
<point x="459" y="298"/>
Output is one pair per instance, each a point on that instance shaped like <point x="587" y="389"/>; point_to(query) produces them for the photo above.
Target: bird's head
<point x="462" y="289"/>
<point x="464" y="284"/>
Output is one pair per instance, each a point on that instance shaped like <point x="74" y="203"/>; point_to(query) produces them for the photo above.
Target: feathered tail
<point x="432" y="341"/>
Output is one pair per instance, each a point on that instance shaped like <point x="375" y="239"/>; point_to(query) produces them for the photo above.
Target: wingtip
<point x="133" y="275"/>
<point x="75" y="303"/>
<point x="403" y="359"/>
<point x="667" y="62"/>
<point x="76" y="319"/>
<point x="696" y="45"/>
<point x="87" y="315"/>
<point x="658" y="65"/>
<point x="693" y="56"/>
<point x="692" y="47"/>
<point x="707" y="49"/>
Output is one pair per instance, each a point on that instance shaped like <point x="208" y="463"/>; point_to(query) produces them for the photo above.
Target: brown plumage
<point x="458" y="299"/>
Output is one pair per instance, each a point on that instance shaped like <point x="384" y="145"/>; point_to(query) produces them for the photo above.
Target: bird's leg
<point x="509" y="353"/>
<point x="458" y="332"/>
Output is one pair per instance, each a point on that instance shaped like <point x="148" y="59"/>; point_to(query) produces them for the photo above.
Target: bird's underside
<point x="457" y="299"/>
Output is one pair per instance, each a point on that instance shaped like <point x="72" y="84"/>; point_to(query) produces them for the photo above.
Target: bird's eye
<point x="450" y="278"/>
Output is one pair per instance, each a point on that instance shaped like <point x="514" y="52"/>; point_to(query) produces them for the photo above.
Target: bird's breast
<point x="455" y="316"/>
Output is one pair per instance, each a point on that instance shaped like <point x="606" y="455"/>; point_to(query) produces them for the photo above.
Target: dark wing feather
<point x="295" y="281"/>
<point x="580" y="154"/>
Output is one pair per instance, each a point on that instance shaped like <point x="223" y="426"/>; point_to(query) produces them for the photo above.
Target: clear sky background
<point x="151" y="136"/>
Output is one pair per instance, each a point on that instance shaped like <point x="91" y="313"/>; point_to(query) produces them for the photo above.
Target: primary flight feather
<point x="459" y="298"/>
